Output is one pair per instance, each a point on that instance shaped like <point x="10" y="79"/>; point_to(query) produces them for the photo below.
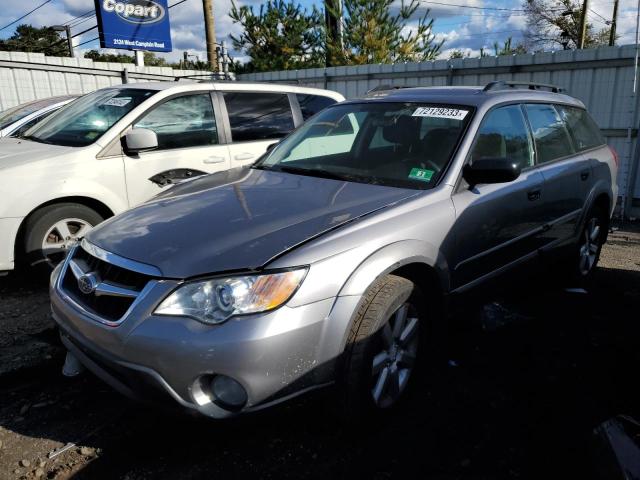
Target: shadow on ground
<point x="530" y="375"/>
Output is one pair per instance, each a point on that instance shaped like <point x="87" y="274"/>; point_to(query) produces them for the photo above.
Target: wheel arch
<point x="104" y="210"/>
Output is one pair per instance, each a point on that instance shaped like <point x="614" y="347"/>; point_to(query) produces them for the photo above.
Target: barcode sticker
<point x="440" y="112"/>
<point x="118" y="101"/>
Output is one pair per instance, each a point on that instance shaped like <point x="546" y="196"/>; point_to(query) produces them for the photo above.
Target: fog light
<point x="227" y="393"/>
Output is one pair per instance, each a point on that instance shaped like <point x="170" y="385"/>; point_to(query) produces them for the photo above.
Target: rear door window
<point x="549" y="133"/>
<point x="312" y="104"/>
<point x="258" y="116"/>
<point x="504" y="134"/>
<point x="583" y="130"/>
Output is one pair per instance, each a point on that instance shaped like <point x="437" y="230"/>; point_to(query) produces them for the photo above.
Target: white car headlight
<point x="216" y="300"/>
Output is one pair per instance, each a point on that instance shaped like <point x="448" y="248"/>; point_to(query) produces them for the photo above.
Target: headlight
<point x="216" y="300"/>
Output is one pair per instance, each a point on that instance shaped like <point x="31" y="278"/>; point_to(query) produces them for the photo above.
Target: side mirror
<point x="491" y="170"/>
<point x="140" y="140"/>
<point x="271" y="146"/>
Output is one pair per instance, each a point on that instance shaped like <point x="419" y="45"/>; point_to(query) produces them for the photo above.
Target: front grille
<point x="108" y="307"/>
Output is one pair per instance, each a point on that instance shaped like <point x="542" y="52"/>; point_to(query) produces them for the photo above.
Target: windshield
<point x="405" y="145"/>
<point x="84" y="121"/>
<point x="12" y="115"/>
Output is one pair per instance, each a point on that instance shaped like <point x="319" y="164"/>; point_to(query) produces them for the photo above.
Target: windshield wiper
<point x="313" y="173"/>
<point x="35" y="139"/>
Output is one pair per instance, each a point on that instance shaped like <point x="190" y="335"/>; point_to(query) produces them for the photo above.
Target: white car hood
<point x="15" y="152"/>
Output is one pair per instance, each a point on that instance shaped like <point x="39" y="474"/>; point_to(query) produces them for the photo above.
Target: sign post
<point x="134" y="24"/>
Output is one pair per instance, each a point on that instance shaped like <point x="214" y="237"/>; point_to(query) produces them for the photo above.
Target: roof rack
<point x="504" y="84"/>
<point x="385" y="88"/>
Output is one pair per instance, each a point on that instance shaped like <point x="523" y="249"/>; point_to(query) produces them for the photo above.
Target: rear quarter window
<point x="582" y="129"/>
<point x="312" y="104"/>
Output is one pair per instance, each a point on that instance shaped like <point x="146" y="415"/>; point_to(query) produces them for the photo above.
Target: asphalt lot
<point x="532" y="369"/>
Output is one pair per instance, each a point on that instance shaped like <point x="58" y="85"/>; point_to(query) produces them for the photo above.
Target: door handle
<point x="214" y="160"/>
<point x="244" y="156"/>
<point x="584" y="175"/>
<point x="534" y="195"/>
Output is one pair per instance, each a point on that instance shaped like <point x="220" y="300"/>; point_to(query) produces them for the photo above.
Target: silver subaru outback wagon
<point x="326" y="261"/>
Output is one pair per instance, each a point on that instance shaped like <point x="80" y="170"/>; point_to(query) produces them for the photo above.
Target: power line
<point x="473" y="6"/>
<point x="596" y="13"/>
<point x="25" y="15"/>
<point x="87" y="13"/>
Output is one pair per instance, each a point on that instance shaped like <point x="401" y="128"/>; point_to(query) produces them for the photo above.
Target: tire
<point x="47" y="225"/>
<point x="370" y="337"/>
<point x="587" y="251"/>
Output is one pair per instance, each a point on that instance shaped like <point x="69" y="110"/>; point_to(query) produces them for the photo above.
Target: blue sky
<point x="467" y="25"/>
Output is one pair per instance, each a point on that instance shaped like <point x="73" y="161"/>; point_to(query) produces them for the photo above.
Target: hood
<point x="15" y="152"/>
<point x="236" y="220"/>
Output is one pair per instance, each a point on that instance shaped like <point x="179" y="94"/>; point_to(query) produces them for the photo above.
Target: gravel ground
<point x="533" y="368"/>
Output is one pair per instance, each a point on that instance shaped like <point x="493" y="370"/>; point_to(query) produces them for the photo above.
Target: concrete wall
<point x="602" y="78"/>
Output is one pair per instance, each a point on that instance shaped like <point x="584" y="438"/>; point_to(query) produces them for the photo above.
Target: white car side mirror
<point x="140" y="140"/>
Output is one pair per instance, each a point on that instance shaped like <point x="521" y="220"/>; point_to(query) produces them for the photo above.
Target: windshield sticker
<point x="118" y="101"/>
<point x="440" y="112"/>
<point x="421" y="174"/>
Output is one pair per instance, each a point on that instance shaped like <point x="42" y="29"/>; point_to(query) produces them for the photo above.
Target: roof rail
<point x="385" y="88"/>
<point x="504" y="84"/>
<point x="205" y="77"/>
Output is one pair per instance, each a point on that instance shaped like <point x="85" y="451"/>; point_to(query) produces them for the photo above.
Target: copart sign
<point x="134" y="24"/>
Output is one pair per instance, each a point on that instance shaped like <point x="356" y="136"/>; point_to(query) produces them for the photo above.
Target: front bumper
<point x="8" y="231"/>
<point x="158" y="358"/>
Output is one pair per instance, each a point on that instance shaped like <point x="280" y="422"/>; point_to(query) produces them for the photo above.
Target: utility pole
<point x="210" y="33"/>
<point x="583" y="23"/>
<point x="67" y="30"/>
<point x="614" y="22"/>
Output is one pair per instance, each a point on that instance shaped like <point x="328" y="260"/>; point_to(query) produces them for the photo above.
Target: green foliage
<point x="458" y="54"/>
<point x="557" y="23"/>
<point x="505" y="49"/>
<point x="282" y="35"/>
<point x="97" y="56"/>
<point x="372" y="34"/>
<point x="31" y="39"/>
<point x="150" y="59"/>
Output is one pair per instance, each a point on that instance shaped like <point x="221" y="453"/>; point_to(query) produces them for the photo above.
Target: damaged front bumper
<point x="171" y="360"/>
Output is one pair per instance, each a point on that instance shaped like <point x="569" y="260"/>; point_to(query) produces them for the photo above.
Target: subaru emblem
<point x="88" y="283"/>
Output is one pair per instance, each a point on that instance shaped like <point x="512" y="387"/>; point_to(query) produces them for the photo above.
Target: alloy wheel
<point x="589" y="247"/>
<point x="61" y="236"/>
<point x="393" y="364"/>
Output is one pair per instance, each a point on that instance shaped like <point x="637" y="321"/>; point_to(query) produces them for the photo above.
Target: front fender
<point x="23" y="202"/>
<point x="390" y="258"/>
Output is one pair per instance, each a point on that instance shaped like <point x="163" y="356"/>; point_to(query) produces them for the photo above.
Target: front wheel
<point x="52" y="230"/>
<point x="383" y="345"/>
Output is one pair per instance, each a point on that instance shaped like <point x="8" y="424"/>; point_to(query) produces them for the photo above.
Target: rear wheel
<point x="590" y="243"/>
<point x="52" y="230"/>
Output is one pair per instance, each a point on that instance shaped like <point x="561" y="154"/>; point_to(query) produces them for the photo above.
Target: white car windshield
<point x="405" y="145"/>
<point x="84" y="121"/>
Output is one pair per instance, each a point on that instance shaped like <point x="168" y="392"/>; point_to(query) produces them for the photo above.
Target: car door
<point x="588" y="140"/>
<point x="188" y="145"/>
<point x="563" y="170"/>
<point x="256" y="120"/>
<point x="497" y="225"/>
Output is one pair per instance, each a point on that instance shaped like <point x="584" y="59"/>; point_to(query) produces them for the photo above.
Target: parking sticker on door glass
<point x="421" y="174"/>
<point x="440" y="112"/>
<point x="118" y="101"/>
